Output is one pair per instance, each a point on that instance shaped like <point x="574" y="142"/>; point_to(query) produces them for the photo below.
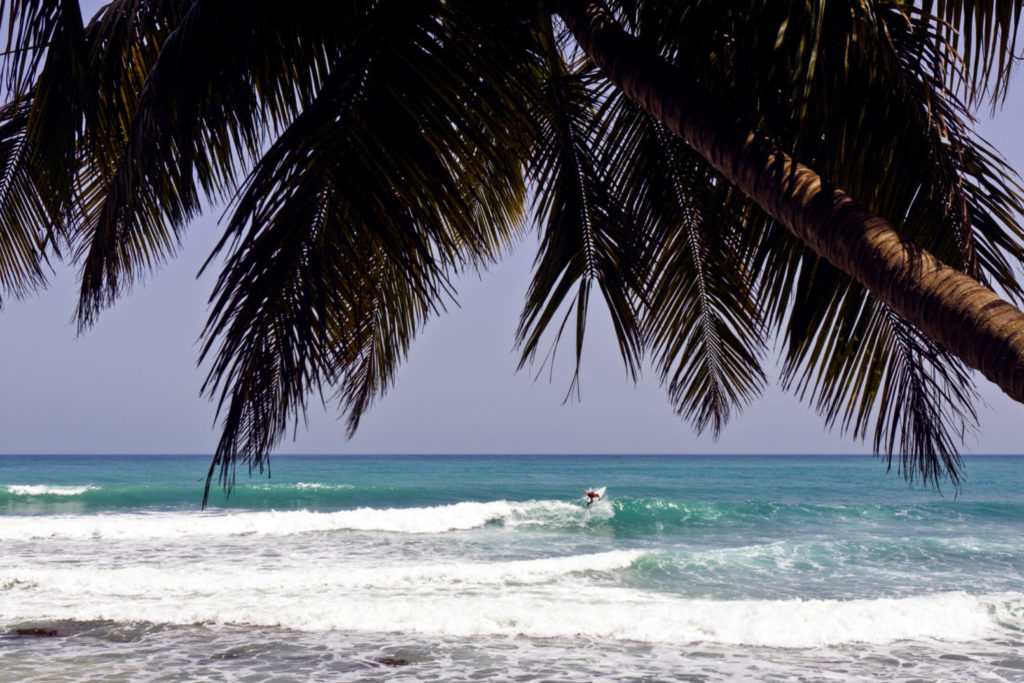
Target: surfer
<point x="591" y="496"/>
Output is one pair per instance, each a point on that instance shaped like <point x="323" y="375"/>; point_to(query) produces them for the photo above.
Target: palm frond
<point x="343" y="239"/>
<point x="27" y="231"/>
<point x="31" y="30"/>
<point x="698" y="316"/>
<point x="45" y="72"/>
<point x="984" y="33"/>
<point x="926" y="409"/>
<point x="188" y="138"/>
<point x="936" y="183"/>
<point x="825" y="80"/>
<point x="586" y="237"/>
<point x="858" y="363"/>
<point x="47" y="68"/>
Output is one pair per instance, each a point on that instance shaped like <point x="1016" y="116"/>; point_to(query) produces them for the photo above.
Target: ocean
<point x="480" y="568"/>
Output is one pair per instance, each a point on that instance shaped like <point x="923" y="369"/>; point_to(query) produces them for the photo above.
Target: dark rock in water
<point x="392" y="661"/>
<point x="239" y="652"/>
<point x="36" y="632"/>
<point x="1014" y="663"/>
<point x="956" y="658"/>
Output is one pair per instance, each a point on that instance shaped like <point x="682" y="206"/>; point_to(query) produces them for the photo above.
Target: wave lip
<point x="48" y="490"/>
<point x="417" y="520"/>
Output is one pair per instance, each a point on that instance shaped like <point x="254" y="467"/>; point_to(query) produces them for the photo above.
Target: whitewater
<point x="491" y="568"/>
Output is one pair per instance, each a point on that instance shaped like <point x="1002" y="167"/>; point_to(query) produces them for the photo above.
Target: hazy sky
<point x="131" y="385"/>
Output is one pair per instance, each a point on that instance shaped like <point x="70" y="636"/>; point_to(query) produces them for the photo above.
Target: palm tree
<point x="724" y="172"/>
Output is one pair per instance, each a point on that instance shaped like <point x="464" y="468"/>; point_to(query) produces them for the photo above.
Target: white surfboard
<point x="599" y="492"/>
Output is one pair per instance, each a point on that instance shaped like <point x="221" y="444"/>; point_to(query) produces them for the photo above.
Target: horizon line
<point x="487" y="454"/>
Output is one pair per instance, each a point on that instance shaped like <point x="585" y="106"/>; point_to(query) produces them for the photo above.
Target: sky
<point x="131" y="384"/>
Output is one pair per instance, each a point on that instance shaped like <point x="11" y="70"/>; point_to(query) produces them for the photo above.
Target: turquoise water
<point x="491" y="568"/>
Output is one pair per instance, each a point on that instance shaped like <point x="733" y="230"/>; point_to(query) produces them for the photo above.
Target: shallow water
<point x="491" y="568"/>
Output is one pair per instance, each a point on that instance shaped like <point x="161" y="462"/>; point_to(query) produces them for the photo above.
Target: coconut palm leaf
<point x="32" y="29"/>
<point x="984" y="33"/>
<point x="586" y="238"/>
<point x="858" y="362"/>
<point x="45" y="66"/>
<point x="86" y="81"/>
<point x="939" y="173"/>
<point x="26" y="228"/>
<point x="928" y="394"/>
<point x="46" y="71"/>
<point x="189" y="138"/>
<point x="698" y="316"/>
<point x="823" y="80"/>
<point x="342" y="242"/>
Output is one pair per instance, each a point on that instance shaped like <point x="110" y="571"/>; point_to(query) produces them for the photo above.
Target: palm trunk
<point x="968" y="319"/>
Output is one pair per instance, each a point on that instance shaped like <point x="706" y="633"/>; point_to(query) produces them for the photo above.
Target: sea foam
<point x="211" y="580"/>
<point x="47" y="490"/>
<point x="547" y="597"/>
<point x="417" y="520"/>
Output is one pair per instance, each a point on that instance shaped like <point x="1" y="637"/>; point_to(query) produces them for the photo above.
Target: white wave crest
<point x="550" y="597"/>
<point x="421" y="520"/>
<point x="47" y="490"/>
<point x="302" y="485"/>
<point x="188" y="583"/>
